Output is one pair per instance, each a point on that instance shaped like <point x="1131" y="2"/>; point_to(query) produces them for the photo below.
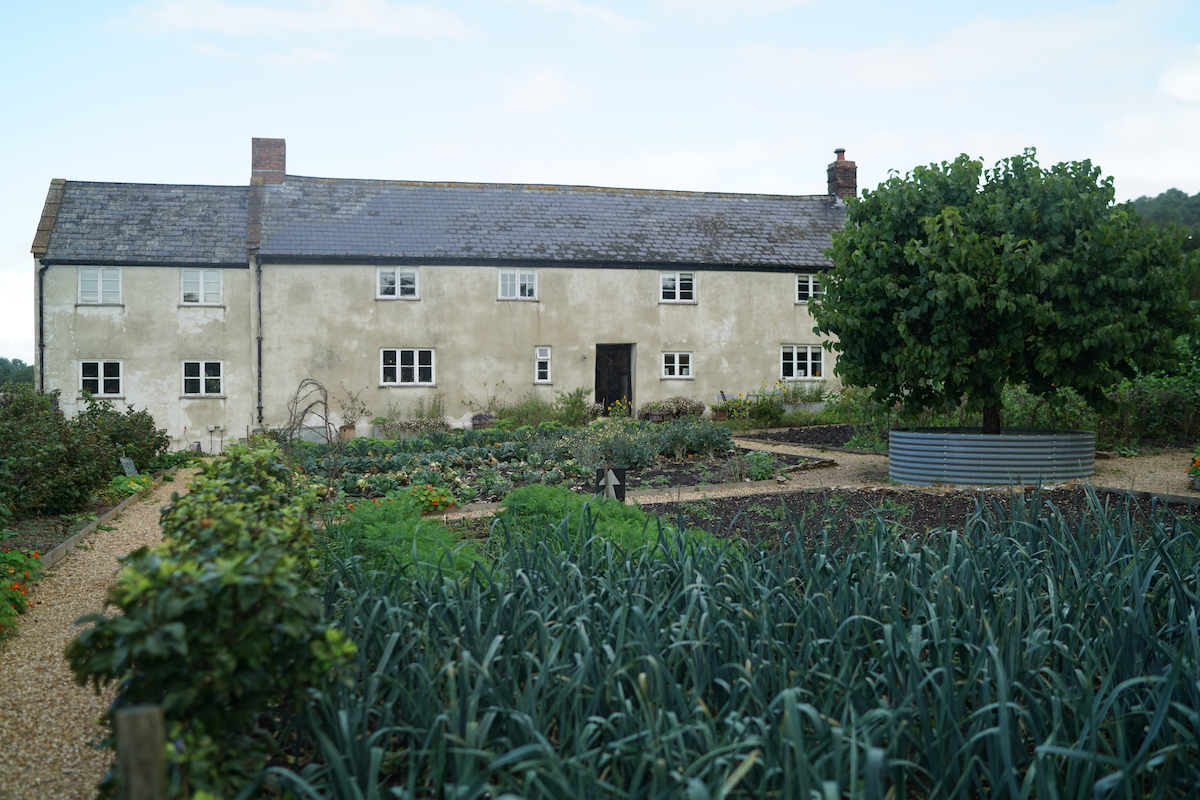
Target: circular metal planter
<point x="969" y="457"/>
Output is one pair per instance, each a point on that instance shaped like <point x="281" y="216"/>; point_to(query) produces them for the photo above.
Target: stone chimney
<point x="843" y="176"/>
<point x="268" y="162"/>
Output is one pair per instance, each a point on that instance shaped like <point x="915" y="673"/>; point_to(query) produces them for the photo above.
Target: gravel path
<point x="46" y="721"/>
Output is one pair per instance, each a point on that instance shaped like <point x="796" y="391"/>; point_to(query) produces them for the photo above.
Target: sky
<point x="706" y="95"/>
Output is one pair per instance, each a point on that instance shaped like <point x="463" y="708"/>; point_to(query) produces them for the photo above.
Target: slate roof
<point x="318" y="219"/>
<point x="133" y="223"/>
<point x="328" y="221"/>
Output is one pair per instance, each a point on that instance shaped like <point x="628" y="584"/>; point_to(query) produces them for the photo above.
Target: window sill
<point x="99" y="305"/>
<point x="543" y="383"/>
<point x="410" y="297"/>
<point x="201" y="397"/>
<point x="677" y="378"/>
<point x="102" y="396"/>
<point x="201" y="305"/>
<point x="516" y="299"/>
<point x="801" y="378"/>
<point x="408" y="386"/>
<point x="677" y="302"/>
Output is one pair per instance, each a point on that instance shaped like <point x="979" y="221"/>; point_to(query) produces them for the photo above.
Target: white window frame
<point x="405" y="284"/>
<point x="397" y="356"/>
<point x="100" y="275"/>
<point x="204" y="280"/>
<point x="790" y="362"/>
<point x="808" y="287"/>
<point x="541" y="364"/>
<point x="676" y="291"/>
<point x="102" y="376"/>
<point x="522" y="283"/>
<point x="677" y="366"/>
<point x="204" y="378"/>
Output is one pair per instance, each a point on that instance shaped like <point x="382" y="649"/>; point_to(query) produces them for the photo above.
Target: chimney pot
<point x="843" y="176"/>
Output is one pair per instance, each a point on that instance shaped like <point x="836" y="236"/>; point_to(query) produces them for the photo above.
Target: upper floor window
<point x="101" y="378"/>
<point x="541" y="362"/>
<point x="800" y="361"/>
<point x="808" y="287"/>
<point x="200" y="287"/>
<point x="392" y="283"/>
<point x="518" y="284"/>
<point x="677" y="287"/>
<point x="203" y="379"/>
<point x="677" y="365"/>
<point x="100" y="285"/>
<point x="406" y="367"/>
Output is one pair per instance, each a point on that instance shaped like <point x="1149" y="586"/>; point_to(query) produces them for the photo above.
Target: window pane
<point x="112" y="369"/>
<point x="406" y="358"/>
<point x="508" y="283"/>
<point x="212" y="385"/>
<point x="89" y="286"/>
<point x="212" y="369"/>
<point x="407" y="282"/>
<point x="212" y="286"/>
<point x="112" y="386"/>
<point x="425" y="356"/>
<point x="91" y="369"/>
<point x="191" y="385"/>
<point x="425" y="375"/>
<point x="191" y="369"/>
<point x="685" y="286"/>
<point x="91" y="385"/>
<point x="110" y="286"/>
<point x="406" y="374"/>
<point x="668" y="286"/>
<point x="685" y="365"/>
<point x="387" y="283"/>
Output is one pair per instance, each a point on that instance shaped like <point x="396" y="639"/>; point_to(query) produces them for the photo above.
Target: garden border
<point x="60" y="551"/>
<point x="822" y="447"/>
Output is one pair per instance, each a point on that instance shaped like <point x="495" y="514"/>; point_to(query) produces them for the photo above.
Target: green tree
<point x="15" y="370"/>
<point x="946" y="288"/>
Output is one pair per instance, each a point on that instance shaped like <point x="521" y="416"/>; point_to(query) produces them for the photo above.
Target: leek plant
<point x="1023" y="656"/>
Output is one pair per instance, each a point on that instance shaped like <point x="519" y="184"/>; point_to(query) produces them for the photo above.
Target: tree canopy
<point x="946" y="287"/>
<point x="15" y="370"/>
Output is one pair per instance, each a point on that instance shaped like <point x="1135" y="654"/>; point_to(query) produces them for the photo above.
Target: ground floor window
<point x="541" y="362"/>
<point x="800" y="361"/>
<point x="203" y="379"/>
<point x="406" y="367"/>
<point x="101" y="377"/>
<point x="677" y="365"/>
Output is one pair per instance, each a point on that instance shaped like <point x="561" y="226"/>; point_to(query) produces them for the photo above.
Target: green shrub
<point x="132" y="434"/>
<point x="51" y="465"/>
<point x="122" y="486"/>
<point x="220" y="623"/>
<point x="536" y="509"/>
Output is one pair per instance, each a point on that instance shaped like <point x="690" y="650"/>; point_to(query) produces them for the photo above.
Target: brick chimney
<point x="268" y="162"/>
<point x="843" y="176"/>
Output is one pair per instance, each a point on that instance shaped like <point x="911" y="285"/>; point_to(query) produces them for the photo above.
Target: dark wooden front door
<point x="613" y="373"/>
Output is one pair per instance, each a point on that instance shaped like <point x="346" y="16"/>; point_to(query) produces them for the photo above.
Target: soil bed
<point x="763" y="518"/>
<point x="814" y="436"/>
<point x="700" y="470"/>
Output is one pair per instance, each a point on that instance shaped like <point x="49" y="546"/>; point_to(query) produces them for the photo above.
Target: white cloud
<point x="304" y="16"/>
<point x="542" y="88"/>
<point x="610" y="21"/>
<point x="983" y="48"/>
<point x="1181" y="80"/>
<point x="724" y="8"/>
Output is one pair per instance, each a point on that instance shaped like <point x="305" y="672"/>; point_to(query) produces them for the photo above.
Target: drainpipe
<point x="259" y="326"/>
<point x="41" y="336"/>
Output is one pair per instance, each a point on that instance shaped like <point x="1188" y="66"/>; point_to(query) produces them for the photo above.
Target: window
<point x="406" y="367"/>
<point x="202" y="379"/>
<point x="808" y="287"/>
<point x="200" y="286"/>
<point x="518" y="284"/>
<point x="100" y="286"/>
<point x="396" y="283"/>
<point x="800" y="361"/>
<point x="101" y="378"/>
<point x="677" y="365"/>
<point x="541" y="361"/>
<point x="678" y="287"/>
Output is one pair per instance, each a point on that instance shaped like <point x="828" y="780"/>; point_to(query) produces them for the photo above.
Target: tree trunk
<point x="991" y="420"/>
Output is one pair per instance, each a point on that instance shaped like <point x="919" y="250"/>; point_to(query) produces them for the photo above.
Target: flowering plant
<point x="431" y="499"/>
<point x="17" y="570"/>
<point x="1193" y="471"/>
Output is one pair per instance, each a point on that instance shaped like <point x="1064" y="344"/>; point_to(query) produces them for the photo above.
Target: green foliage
<point x="122" y="486"/>
<point x="571" y="409"/>
<point x="176" y="458"/>
<point x="392" y="533"/>
<point x="1173" y="208"/>
<point x="223" y="621"/>
<point x="534" y="509"/>
<point x="131" y="434"/>
<point x="49" y="464"/>
<point x="15" y="370"/>
<point x="1024" y="656"/>
<point x="945" y="289"/>
<point x="18" y="569"/>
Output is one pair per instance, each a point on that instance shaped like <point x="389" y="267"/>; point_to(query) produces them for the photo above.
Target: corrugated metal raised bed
<point x="969" y="457"/>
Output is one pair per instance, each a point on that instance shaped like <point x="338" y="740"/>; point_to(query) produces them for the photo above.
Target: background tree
<point x="946" y="289"/>
<point x="15" y="370"/>
<point x="1173" y="207"/>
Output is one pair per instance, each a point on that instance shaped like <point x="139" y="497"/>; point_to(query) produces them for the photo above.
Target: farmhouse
<point x="208" y="305"/>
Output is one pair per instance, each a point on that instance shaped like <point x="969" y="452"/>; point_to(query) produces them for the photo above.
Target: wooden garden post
<point x="141" y="738"/>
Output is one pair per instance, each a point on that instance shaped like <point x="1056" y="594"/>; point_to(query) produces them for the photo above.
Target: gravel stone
<point x="47" y="723"/>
